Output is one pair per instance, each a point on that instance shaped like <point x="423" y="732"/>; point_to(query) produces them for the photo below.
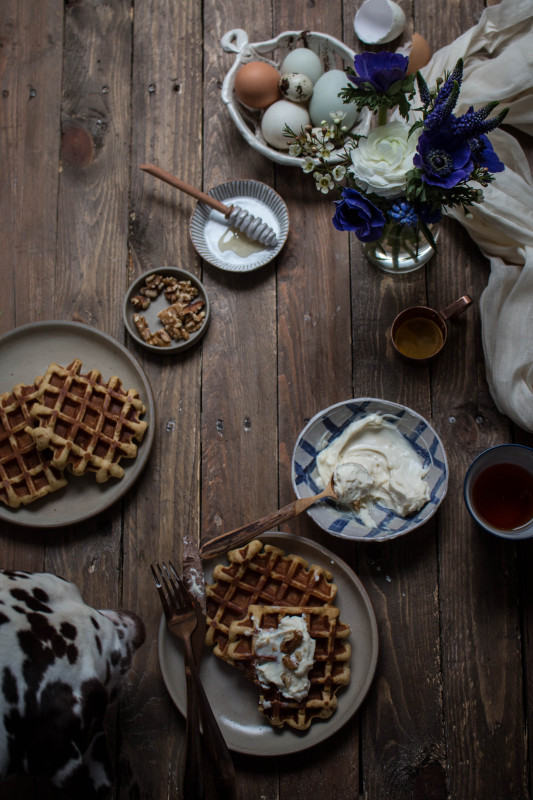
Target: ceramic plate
<point x="209" y="226"/>
<point x="235" y="700"/>
<point x="159" y="303"/>
<point x="26" y="352"/>
<point x="330" y="423"/>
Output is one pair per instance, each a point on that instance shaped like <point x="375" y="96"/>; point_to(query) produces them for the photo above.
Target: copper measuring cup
<point x="419" y="333"/>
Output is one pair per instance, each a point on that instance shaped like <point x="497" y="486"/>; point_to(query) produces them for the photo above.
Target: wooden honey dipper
<point x="251" y="226"/>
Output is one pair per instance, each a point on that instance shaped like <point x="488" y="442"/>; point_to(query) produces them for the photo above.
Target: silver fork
<point x="181" y="620"/>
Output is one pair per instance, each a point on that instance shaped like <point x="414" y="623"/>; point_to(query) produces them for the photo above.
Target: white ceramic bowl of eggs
<point x="291" y="80"/>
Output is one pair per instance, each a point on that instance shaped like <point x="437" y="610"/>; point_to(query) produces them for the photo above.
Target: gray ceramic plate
<point x="159" y="303"/>
<point x="26" y="352"/>
<point x="209" y="226"/>
<point x="235" y="700"/>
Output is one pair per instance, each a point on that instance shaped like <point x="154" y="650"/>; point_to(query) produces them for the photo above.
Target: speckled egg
<point x="296" y="87"/>
<point x="303" y="61"/>
<point x="257" y="84"/>
<point x="279" y="114"/>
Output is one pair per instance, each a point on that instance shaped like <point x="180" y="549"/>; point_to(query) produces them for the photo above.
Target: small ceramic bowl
<point x="342" y="521"/>
<point x="157" y="304"/>
<point x="498" y="491"/>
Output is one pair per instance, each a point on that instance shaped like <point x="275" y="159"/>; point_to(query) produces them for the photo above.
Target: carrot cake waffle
<point x="299" y="657"/>
<point x="256" y="591"/>
<point x="88" y="424"/>
<point x="26" y="474"/>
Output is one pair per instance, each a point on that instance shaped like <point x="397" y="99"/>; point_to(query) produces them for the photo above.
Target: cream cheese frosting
<point x="286" y="667"/>
<point x="396" y="474"/>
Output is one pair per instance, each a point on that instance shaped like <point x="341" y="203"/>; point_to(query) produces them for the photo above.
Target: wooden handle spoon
<point x="251" y="226"/>
<point x="245" y="533"/>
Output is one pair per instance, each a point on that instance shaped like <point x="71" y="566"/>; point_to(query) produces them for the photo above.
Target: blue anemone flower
<point x="484" y="155"/>
<point x="380" y="70"/>
<point x="355" y="213"/>
<point x="445" y="159"/>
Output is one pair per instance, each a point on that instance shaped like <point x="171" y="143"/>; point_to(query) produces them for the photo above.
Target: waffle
<point x="261" y="576"/>
<point x="88" y="424"/>
<point x="26" y="474"/>
<point x="330" y="669"/>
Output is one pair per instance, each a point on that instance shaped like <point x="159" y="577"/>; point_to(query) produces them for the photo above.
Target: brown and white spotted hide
<point x="61" y="664"/>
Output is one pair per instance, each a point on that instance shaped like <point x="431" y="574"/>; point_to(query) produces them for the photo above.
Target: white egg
<point x="325" y="99"/>
<point x="304" y="61"/>
<point x="296" y="87"/>
<point x="279" y="114"/>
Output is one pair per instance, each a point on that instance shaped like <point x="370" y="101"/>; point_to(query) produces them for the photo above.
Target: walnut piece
<point x="158" y="339"/>
<point x="179" y="320"/>
<point x="291" y="642"/>
<point x="140" y="302"/>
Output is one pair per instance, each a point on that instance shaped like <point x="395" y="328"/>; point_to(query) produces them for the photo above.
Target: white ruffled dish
<point x="208" y="226"/>
<point x="333" y="54"/>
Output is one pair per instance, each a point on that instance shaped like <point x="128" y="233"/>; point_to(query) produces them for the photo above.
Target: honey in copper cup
<point x="419" y="333"/>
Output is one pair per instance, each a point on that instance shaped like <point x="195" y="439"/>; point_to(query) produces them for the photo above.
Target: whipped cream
<point x="285" y="656"/>
<point x="395" y="471"/>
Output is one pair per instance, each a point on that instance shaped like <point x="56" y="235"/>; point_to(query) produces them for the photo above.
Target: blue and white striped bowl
<point x="330" y="423"/>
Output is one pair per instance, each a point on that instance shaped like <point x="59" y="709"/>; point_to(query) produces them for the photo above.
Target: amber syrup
<point x="503" y="496"/>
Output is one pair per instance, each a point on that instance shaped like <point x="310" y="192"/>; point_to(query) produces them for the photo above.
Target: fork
<point x="181" y="618"/>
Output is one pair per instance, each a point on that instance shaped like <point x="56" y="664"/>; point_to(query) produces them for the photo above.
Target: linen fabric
<point x="498" y="65"/>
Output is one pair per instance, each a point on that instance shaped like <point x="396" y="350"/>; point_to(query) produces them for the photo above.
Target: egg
<point x="279" y="114"/>
<point x="419" y="53"/>
<point x="296" y="87"/>
<point x="303" y="61"/>
<point x="257" y="84"/>
<point x="325" y="100"/>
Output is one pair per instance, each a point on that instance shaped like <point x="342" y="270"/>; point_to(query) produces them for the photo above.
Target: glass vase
<point x="401" y="249"/>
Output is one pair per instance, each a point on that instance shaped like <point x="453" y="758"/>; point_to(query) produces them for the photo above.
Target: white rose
<point x="380" y="161"/>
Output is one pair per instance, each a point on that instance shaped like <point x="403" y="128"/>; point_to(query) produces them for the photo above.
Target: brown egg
<point x="419" y="54"/>
<point x="257" y="84"/>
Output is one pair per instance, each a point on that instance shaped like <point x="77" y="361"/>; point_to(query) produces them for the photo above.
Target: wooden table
<point x="90" y="90"/>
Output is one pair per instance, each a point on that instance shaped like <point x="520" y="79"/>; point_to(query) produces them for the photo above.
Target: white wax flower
<point x="380" y="161"/>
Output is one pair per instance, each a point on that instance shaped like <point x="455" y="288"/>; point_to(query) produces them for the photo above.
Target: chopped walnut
<point x="291" y="642"/>
<point x="179" y="320"/>
<point x="288" y="663"/>
<point x="140" y="302"/>
<point x="155" y="282"/>
<point x="147" y="291"/>
<point x="158" y="339"/>
<point x="181" y="292"/>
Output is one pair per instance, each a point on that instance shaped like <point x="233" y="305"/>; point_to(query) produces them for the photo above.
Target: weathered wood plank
<point x="239" y="402"/>
<point x="166" y="118"/>
<point x="31" y="48"/>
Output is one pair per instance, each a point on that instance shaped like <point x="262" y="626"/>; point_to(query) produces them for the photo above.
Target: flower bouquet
<point x="393" y="184"/>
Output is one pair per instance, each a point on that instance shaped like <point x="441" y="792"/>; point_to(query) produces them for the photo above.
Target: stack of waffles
<point x="65" y="420"/>
<point x="252" y="594"/>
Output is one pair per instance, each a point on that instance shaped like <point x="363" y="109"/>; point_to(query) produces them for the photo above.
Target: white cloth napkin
<point x="498" y="59"/>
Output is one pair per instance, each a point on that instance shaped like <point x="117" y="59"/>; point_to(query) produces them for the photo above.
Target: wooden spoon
<point x="246" y="533"/>
<point x="251" y="226"/>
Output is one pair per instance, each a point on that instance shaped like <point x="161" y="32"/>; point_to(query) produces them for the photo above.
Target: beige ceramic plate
<point x="235" y="700"/>
<point x="26" y="352"/>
